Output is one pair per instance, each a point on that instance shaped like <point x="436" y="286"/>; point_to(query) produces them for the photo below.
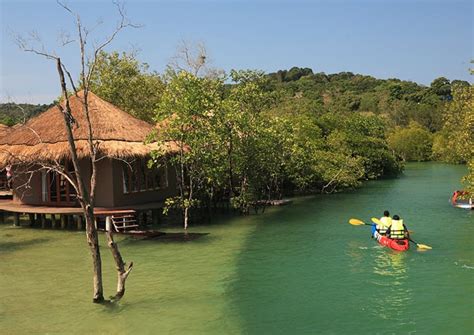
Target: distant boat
<point x="465" y="203"/>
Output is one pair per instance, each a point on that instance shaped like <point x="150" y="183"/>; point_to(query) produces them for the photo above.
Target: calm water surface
<point x="301" y="269"/>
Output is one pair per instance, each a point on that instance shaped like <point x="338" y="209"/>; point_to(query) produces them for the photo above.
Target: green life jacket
<point x="397" y="231"/>
<point x="386" y="222"/>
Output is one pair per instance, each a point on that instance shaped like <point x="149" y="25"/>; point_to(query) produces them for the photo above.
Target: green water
<point x="300" y="269"/>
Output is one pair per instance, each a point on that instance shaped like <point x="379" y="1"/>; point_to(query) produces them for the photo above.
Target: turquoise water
<point x="299" y="269"/>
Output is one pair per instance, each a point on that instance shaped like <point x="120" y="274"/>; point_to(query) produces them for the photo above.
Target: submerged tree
<point x="183" y="116"/>
<point x="85" y="189"/>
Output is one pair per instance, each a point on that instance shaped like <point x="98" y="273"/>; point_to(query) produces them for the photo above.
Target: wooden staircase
<point x="122" y="220"/>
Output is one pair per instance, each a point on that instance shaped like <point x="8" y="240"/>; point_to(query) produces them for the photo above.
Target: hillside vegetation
<point x="257" y="136"/>
<point x="13" y="113"/>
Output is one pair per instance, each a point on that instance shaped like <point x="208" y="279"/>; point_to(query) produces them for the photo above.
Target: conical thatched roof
<point x="118" y="134"/>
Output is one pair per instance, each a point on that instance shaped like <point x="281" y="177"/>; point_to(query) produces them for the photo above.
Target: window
<point x="55" y="188"/>
<point x="137" y="177"/>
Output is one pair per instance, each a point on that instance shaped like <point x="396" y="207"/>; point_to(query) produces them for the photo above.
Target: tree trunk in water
<point x="122" y="274"/>
<point x="186" y="217"/>
<point x="93" y="241"/>
<point x="84" y="198"/>
<point x="231" y="172"/>
<point x="190" y="199"/>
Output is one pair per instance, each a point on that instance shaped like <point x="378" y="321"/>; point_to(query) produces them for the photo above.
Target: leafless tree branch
<point x="85" y="195"/>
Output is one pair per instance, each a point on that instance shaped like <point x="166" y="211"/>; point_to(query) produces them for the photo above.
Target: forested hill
<point x="397" y="101"/>
<point x="257" y="136"/>
<point x="12" y="113"/>
<point x="299" y="89"/>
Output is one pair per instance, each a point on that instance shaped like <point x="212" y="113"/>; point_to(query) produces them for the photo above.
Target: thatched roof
<point x="118" y="134"/>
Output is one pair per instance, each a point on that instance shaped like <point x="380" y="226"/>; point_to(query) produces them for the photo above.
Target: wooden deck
<point x="15" y="207"/>
<point x="5" y="193"/>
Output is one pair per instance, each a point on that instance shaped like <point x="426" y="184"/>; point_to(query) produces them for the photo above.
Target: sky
<point x="416" y="40"/>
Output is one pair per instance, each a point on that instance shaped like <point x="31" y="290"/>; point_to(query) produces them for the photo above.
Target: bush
<point x="413" y="143"/>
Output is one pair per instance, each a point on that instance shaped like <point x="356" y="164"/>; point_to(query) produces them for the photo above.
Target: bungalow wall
<point x="22" y="193"/>
<point x="111" y="190"/>
<point x="31" y="189"/>
<point x="122" y="197"/>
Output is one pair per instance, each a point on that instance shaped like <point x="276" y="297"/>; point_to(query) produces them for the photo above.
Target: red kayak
<point x="399" y="245"/>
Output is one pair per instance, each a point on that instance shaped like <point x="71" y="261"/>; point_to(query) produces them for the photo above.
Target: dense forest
<point x="249" y="136"/>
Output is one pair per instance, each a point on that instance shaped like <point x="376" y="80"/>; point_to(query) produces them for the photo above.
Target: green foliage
<point x="293" y="74"/>
<point x="455" y="143"/>
<point x="442" y="150"/>
<point x="12" y="113"/>
<point x="125" y="82"/>
<point x="243" y="143"/>
<point x="185" y="114"/>
<point x="413" y="143"/>
<point x="459" y="123"/>
<point x="399" y="102"/>
<point x="442" y="87"/>
<point x="469" y="178"/>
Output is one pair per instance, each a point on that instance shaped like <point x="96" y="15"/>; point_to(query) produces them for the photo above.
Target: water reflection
<point x="392" y="293"/>
<point x="12" y="246"/>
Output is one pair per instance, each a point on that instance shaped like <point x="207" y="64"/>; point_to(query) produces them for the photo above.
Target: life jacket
<point x="386" y="222"/>
<point x="397" y="231"/>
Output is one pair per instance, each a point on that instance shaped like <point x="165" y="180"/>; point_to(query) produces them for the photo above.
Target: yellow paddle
<point x="357" y="222"/>
<point x="421" y="246"/>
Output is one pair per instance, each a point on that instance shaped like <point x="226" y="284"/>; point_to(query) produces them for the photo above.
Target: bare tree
<point x="85" y="195"/>
<point x="194" y="58"/>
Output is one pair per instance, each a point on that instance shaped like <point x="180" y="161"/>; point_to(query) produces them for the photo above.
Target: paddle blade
<point x="377" y="221"/>
<point x="356" y="222"/>
<point x="424" y="246"/>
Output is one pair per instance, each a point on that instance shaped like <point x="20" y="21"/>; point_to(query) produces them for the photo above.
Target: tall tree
<point x="85" y="188"/>
<point x="122" y="80"/>
<point x="184" y="114"/>
<point x="442" y="87"/>
<point x="456" y="141"/>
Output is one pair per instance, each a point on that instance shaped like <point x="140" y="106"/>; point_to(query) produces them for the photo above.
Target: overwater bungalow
<point x="124" y="182"/>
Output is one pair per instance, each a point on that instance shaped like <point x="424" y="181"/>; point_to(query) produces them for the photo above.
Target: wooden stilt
<point x="63" y="221"/>
<point x="78" y="219"/>
<point x="54" y="222"/>
<point x="32" y="219"/>
<point x="138" y="215"/>
<point x="69" y="221"/>
<point x="144" y="218"/>
<point x="108" y="223"/>
<point x="155" y="216"/>
<point x="43" y="220"/>
<point x="2" y="217"/>
<point x="16" y="219"/>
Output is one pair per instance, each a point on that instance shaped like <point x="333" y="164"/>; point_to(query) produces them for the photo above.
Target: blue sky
<point x="417" y="40"/>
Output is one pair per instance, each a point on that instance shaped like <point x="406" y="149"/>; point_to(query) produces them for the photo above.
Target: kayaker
<point x="397" y="230"/>
<point x="386" y="222"/>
